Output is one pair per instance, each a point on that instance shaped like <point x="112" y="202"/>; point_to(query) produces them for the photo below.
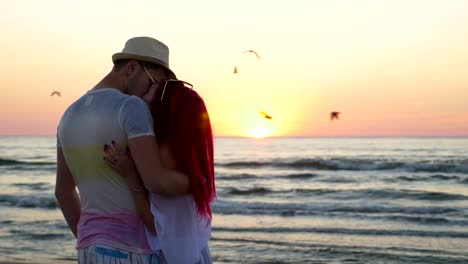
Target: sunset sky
<point x="392" y="68"/>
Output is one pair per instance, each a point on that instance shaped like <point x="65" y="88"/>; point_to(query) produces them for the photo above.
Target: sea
<point x="280" y="200"/>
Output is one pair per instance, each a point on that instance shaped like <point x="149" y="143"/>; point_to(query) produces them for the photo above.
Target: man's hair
<point x="118" y="65"/>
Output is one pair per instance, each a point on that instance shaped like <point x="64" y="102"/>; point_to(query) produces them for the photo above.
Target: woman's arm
<point x="124" y="165"/>
<point x="156" y="177"/>
<point x="141" y="200"/>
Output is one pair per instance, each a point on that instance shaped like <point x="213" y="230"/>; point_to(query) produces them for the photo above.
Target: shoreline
<point x="39" y="261"/>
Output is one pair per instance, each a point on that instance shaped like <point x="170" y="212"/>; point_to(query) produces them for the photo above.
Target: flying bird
<point x="265" y="115"/>
<point x="334" y="115"/>
<point x="235" y="71"/>
<point x="252" y="51"/>
<point x="56" y="93"/>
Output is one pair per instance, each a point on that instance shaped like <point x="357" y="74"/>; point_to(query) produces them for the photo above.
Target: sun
<point x="260" y="131"/>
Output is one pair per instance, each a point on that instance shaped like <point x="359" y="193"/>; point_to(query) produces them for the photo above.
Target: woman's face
<point x="141" y="83"/>
<point x="154" y="87"/>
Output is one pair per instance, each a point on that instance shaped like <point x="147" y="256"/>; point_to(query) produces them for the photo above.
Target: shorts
<point x="100" y="254"/>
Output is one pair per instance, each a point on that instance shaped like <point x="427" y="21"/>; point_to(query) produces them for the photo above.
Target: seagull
<point x="252" y="51"/>
<point x="334" y="115"/>
<point x="247" y="51"/>
<point x="265" y="115"/>
<point x="56" y="93"/>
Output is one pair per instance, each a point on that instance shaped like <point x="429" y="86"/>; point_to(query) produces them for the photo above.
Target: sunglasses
<point x="167" y="81"/>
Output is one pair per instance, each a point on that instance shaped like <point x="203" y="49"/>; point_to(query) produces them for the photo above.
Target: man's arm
<point x="157" y="179"/>
<point x="66" y="194"/>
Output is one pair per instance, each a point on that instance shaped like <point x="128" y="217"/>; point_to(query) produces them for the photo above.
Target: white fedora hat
<point x="144" y="49"/>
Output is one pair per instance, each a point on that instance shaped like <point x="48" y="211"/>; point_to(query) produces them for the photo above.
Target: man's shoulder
<point x="109" y="93"/>
<point x="134" y="101"/>
<point x="106" y="97"/>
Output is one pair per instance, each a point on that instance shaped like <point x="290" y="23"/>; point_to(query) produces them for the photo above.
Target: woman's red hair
<point x="181" y="120"/>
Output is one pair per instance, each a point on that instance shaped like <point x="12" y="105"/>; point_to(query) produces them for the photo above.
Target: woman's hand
<point x="119" y="159"/>
<point x="149" y="97"/>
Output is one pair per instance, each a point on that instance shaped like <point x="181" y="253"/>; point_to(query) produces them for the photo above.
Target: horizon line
<point x="300" y="136"/>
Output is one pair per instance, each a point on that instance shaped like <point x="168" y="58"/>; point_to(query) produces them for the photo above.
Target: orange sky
<point x="393" y="68"/>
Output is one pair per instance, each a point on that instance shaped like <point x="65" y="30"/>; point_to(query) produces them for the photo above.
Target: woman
<point x="181" y="226"/>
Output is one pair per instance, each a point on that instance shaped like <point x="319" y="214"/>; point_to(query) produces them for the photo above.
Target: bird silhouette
<point x="235" y="71"/>
<point x="56" y="93"/>
<point x="252" y="51"/>
<point x="334" y="115"/>
<point x="265" y="115"/>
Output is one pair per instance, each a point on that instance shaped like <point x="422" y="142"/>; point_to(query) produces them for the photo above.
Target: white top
<point x="182" y="233"/>
<point x="95" y="119"/>
<point x="108" y="213"/>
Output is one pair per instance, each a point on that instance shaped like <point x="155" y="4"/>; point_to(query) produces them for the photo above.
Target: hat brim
<point x="128" y="56"/>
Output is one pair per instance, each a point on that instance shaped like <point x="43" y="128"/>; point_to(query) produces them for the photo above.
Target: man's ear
<point x="131" y="68"/>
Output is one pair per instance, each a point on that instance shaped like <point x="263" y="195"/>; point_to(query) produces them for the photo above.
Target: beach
<point x="280" y="200"/>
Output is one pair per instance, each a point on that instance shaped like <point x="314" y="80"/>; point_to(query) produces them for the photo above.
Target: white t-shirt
<point x="108" y="213"/>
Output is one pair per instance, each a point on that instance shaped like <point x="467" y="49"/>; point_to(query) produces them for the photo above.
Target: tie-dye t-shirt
<point x="108" y="215"/>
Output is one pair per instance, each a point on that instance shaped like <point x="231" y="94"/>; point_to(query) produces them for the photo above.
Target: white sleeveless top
<point x="182" y="232"/>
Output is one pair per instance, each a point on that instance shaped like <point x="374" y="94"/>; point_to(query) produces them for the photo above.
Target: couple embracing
<point x="139" y="149"/>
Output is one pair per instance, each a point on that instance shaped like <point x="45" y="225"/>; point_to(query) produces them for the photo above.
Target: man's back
<point x="108" y="215"/>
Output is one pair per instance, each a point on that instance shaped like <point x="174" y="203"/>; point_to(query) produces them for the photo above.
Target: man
<point x="103" y="215"/>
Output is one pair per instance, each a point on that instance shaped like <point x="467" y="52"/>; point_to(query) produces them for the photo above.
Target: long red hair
<point x="181" y="120"/>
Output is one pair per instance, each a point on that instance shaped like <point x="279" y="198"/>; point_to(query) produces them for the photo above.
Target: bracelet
<point x="140" y="188"/>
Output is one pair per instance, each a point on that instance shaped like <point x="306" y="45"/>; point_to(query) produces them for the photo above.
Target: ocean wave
<point x="340" y="194"/>
<point x="250" y="191"/>
<point x="344" y="231"/>
<point x="403" y="194"/>
<point x="4" y="162"/>
<point x="248" y="176"/>
<point x="47" y="236"/>
<point x="10" y="162"/>
<point x="265" y="191"/>
<point x="241" y="176"/>
<point x="13" y="165"/>
<point x="34" y="186"/>
<point x="313" y="252"/>
<point x="279" y="252"/>
<point x="340" y="210"/>
<point x="316" y="252"/>
<point x="38" y="231"/>
<point x="335" y="164"/>
<point x="29" y="201"/>
<point x="300" y="176"/>
<point x="424" y="219"/>
<point x="421" y="177"/>
<point x="427" y="178"/>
